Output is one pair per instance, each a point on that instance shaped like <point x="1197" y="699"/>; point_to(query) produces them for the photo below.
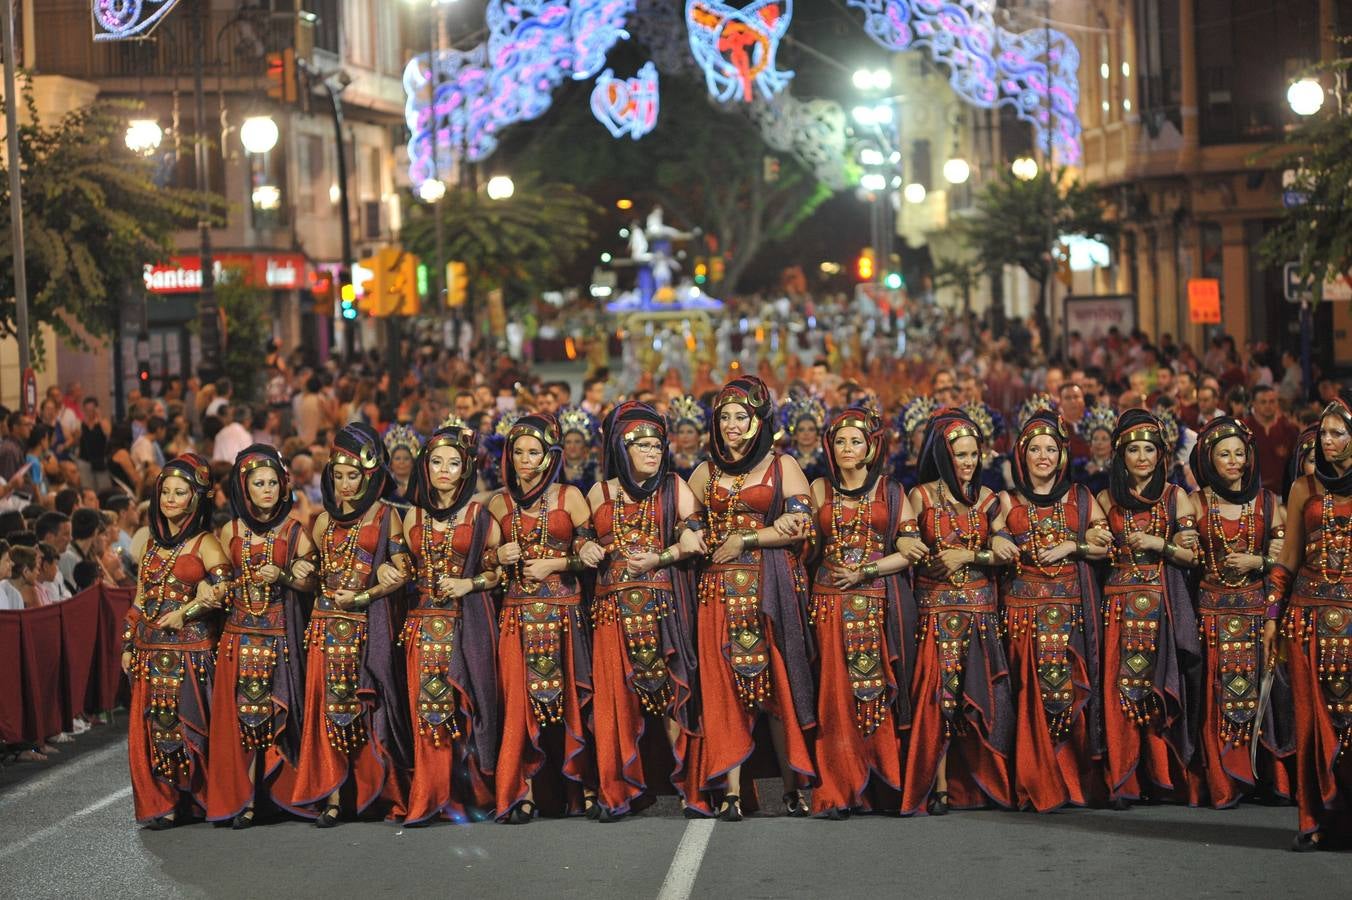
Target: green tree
<point x="521" y="244"/>
<point x="1018" y="223"/>
<point x="962" y="275"/>
<point x="247" y="325"/>
<point x="93" y="217"/>
<point x="1315" y="234"/>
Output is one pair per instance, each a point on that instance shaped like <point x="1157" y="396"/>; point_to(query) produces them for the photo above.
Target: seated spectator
<point x="85" y="526"/>
<point x="67" y="500"/>
<point x="87" y="574"/>
<point x="23" y="577"/>
<point x="51" y="586"/>
<point x="10" y="598"/>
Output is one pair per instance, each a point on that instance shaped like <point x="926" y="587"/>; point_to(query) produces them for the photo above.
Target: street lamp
<point x="500" y="187"/>
<point x="880" y="114"/>
<point x="872" y="79"/>
<point x="957" y="171"/>
<point x="914" y="192"/>
<point x="870" y="156"/>
<point x="1306" y="97"/>
<point x="258" y="134"/>
<point x="267" y="197"/>
<point x="432" y="190"/>
<point x="144" y="136"/>
<point x="873" y="181"/>
<point x="1024" y="168"/>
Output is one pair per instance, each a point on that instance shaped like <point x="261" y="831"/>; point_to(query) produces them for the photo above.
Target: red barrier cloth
<point x="110" y="684"/>
<point x="11" y="678"/>
<point x="40" y="630"/>
<point x="79" y="646"/>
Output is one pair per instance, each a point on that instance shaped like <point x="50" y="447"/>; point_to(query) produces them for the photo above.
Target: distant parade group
<point x="474" y="632"/>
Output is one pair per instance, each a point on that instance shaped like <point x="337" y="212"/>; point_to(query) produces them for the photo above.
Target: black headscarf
<point x="750" y="392"/>
<point x="1204" y="469"/>
<point x="193" y="469"/>
<point x="624" y="425"/>
<point x="237" y="488"/>
<point x="868" y="422"/>
<point x="1043" y="422"/>
<point x="465" y="442"/>
<point x="1136" y="425"/>
<point x="357" y="445"/>
<point x="1305" y="445"/>
<point x="545" y="429"/>
<point x="1323" y="467"/>
<point x="936" y="455"/>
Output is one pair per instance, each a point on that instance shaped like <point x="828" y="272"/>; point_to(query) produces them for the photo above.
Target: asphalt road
<point x="66" y="830"/>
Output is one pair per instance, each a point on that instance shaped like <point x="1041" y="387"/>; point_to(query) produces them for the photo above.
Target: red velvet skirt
<point x="160" y="783"/>
<point x="1323" y="774"/>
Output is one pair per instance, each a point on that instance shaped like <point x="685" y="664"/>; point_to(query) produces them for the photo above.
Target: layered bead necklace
<point x="434" y="563"/>
<point x="252" y="588"/>
<point x="340" y="560"/>
<point x="966" y="540"/>
<point x="720" y="528"/>
<point x="1219" y="546"/>
<point x="536" y="539"/>
<point x="1046" y="532"/>
<point x="858" y="535"/>
<point x="1333" y="539"/>
<point x="641" y="530"/>
<point x="154" y="580"/>
<point x="1157" y="527"/>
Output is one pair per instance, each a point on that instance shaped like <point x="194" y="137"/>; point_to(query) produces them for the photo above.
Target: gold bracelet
<point x="479" y="582"/>
<point x="362" y="599"/>
<point x="750" y="540"/>
<point x="666" y="557"/>
<point x="1082" y="548"/>
<point x="870" y="570"/>
<point x="984" y="558"/>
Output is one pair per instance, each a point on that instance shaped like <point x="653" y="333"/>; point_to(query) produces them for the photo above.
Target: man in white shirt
<point x="233" y="438"/>
<point x="146" y="450"/>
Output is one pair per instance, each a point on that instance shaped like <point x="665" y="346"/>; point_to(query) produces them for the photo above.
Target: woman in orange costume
<point x="544" y="643"/>
<point x="450" y="635"/>
<point x="355" y="730"/>
<point x="865" y="619"/>
<point x="1317" y="630"/>
<point x="168" y="649"/>
<point x="754" y="645"/>
<point x="643" y="656"/>
<point x="1051" y="618"/>
<point x="259" y="683"/>
<point x="1151" y="652"/>
<point x="962" y="728"/>
<point x="1241" y="528"/>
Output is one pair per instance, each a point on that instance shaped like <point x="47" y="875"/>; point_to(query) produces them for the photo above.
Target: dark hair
<point x="116" y="502"/>
<point x="154" y="424"/>
<point x="10" y="522"/>
<point x="15" y="420"/>
<point x="50" y="523"/>
<point x="1263" y="389"/>
<point x="66" y="500"/>
<point x="48" y="552"/>
<point x="85" y="523"/>
<point x="40" y="433"/>
<point x="86" y="574"/>
<point x="23" y="538"/>
<point x="23" y="558"/>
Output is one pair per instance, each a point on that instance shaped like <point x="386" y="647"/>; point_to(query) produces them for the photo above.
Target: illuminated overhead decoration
<point x="120" y="20"/>
<point x="736" y="47"/>
<point x="812" y="130"/>
<point x="989" y="66"/>
<point x="627" y="106"/>
<point x="439" y="128"/>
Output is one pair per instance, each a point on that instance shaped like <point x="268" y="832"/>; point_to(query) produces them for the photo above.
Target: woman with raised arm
<point x="754" y="646"/>
<point x="1241" y="528"/>
<point x="255" y="732"/>
<point x="1315" y="571"/>
<point x="1050" y="607"/>
<point x="1151" y="652"/>
<point x="354" y="725"/>
<point x="544" y="643"/>
<point x="865" y="619"/>
<point x="168" y="648"/>
<point x="643" y="655"/>
<point x="962" y="728"/>
<point x="450" y="635"/>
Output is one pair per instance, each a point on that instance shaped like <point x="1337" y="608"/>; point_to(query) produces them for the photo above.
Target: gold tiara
<point x="642" y="431"/>
<point x="1222" y="432"/>
<point x="1148" y="432"/>
<point x="520" y="431"/>
<point x="963" y="431"/>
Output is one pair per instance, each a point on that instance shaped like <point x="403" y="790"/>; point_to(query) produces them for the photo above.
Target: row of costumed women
<point x="947" y="647"/>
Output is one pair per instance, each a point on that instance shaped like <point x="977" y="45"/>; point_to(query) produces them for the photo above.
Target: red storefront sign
<point x="183" y="274"/>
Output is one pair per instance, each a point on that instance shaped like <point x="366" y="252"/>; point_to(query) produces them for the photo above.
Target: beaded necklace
<point x="641" y="531"/>
<point x="252" y="587"/>
<point x="859" y="531"/>
<point x="153" y="580"/>
<point x="1046" y="532"/>
<point x="969" y="540"/>
<point x="720" y="529"/>
<point x="1158" y="527"/>
<point x="434" y="564"/>
<point x="1333" y="539"/>
<point x="1219" y="546"/>
<point x="341" y="559"/>
<point x="536" y="540"/>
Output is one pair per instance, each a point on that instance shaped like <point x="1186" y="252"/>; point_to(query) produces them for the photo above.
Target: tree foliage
<point x="1019" y="222"/>
<point x="1316" y="234"/>
<point x="961" y="274"/>
<point x="93" y="217"/>
<point x="521" y="244"/>
<point x="247" y="325"/>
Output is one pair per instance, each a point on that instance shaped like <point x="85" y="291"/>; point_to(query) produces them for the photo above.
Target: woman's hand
<point x="344" y="598"/>
<point x="693" y="543"/>
<point x="640" y="563"/>
<point x="456" y="588"/>
<point x="212" y="595"/>
<point x="172" y="621"/>
<point x="591" y="554"/>
<point x="846" y="578"/>
<point x="1243" y="562"/>
<point x="791" y="525"/>
<point x="509" y="553"/>
<point x="1005" y="550"/>
<point x="1269" y="642"/>
<point x="729" y="550"/>
<point x="1275" y="547"/>
<point x="389" y="576"/>
<point x="953" y="559"/>
<point x="540" y="569"/>
<point x="269" y="574"/>
<point x="302" y="569"/>
<point x="1099" y="534"/>
<point x="1188" y="540"/>
<point x="126" y="662"/>
<point x="912" y="548"/>
<point x="1049" y="555"/>
<point x="1139" y="540"/>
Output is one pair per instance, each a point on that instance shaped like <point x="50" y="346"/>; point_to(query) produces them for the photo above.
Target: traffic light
<point x="893" y="281"/>
<point x="424" y="279"/>
<point x="365" y="286"/>
<point x="143" y="374"/>
<point x="321" y="294"/>
<point x="716" y="269"/>
<point x="457" y="283"/>
<point x="864" y="267"/>
<point x="282" y="75"/>
<point x="401" y="296"/>
<point x="701" y="271"/>
<point x="349" y="301"/>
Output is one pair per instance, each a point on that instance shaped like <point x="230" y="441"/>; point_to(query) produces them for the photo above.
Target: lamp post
<point x="878" y="117"/>
<point x="16" y="210"/>
<point x="207" y="311"/>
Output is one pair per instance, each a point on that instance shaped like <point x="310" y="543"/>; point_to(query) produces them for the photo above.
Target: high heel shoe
<point x="1306" y="843"/>
<point x="938" y="803"/>
<point x="162" y="823"/>
<point x="521" y="814"/>
<point x="590" y="808"/>
<point x="731" y="809"/>
<point x="795" y="806"/>
<point x="329" y="817"/>
<point x="243" y="820"/>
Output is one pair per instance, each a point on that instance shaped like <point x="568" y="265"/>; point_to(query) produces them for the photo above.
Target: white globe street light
<point x="873" y="181"/>
<point x="267" y="196"/>
<point x="500" y="187"/>
<point x="144" y="136"/>
<point x="872" y="79"/>
<point x="871" y="156"/>
<point x="914" y="192"/>
<point x="258" y="134"/>
<point x="1024" y="168"/>
<point x="1306" y="97"/>
<point x="957" y="171"/>
<point x="432" y="190"/>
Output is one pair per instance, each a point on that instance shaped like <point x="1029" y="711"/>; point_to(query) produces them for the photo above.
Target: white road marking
<point x="680" y="880"/>
<point x="55" y="827"/>
<point x="63" y="773"/>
